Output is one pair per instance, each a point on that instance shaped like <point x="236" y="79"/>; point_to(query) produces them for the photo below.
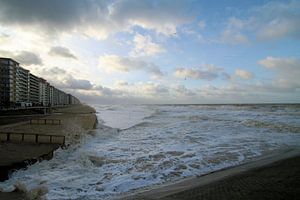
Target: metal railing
<point x="32" y="138"/>
<point x="46" y="121"/>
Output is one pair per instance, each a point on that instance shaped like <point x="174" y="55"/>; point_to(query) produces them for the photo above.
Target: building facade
<point x="18" y="87"/>
<point x="34" y="90"/>
<point x="8" y="72"/>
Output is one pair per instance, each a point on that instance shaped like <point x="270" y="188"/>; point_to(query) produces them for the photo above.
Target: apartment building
<point x="18" y="87"/>
<point x="22" y="85"/>
<point x="44" y="92"/>
<point x="34" y="91"/>
<point x="8" y="92"/>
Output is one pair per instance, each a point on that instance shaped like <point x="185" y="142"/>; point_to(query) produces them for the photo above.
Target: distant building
<point x="22" y="85"/>
<point x="44" y="92"/>
<point x="8" y="87"/>
<point x="18" y="87"/>
<point x="34" y="93"/>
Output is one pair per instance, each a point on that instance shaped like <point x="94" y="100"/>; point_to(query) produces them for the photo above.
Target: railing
<point x="32" y="138"/>
<point x="46" y="121"/>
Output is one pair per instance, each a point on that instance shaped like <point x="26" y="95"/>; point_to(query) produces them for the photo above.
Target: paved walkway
<point x="280" y="180"/>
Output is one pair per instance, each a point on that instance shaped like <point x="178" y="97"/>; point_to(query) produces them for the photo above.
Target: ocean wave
<point x="280" y="127"/>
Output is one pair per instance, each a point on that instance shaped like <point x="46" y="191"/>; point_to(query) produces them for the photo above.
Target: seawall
<point x="35" y="140"/>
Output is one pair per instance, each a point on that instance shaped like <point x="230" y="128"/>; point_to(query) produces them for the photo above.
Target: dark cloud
<point x="73" y="83"/>
<point x="57" y="14"/>
<point x="23" y="57"/>
<point x="97" y="18"/>
<point x="61" y="51"/>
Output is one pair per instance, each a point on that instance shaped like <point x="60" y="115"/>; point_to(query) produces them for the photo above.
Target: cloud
<point x="287" y="71"/>
<point x="244" y="74"/>
<point x="273" y="20"/>
<point x="181" y="90"/>
<point x="208" y="72"/>
<point x="61" y="51"/>
<point x="277" y="20"/>
<point x="202" y="24"/>
<point x="143" y="46"/>
<point x="23" y="57"/>
<point x="127" y="64"/>
<point x="4" y="37"/>
<point x="232" y="34"/>
<point x="96" y="18"/>
<point x="60" y="78"/>
<point x="73" y="83"/>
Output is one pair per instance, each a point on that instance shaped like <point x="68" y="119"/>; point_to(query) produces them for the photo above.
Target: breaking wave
<point x="137" y="147"/>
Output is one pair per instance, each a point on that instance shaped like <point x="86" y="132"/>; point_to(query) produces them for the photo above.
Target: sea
<point x="137" y="147"/>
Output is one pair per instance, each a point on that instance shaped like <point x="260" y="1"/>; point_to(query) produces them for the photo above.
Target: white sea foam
<point x="122" y="117"/>
<point x="157" y="144"/>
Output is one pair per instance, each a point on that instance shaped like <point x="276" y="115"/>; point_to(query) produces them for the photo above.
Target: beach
<point x="166" y="152"/>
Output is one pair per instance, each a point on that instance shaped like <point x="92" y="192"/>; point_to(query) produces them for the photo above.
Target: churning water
<point x="139" y="146"/>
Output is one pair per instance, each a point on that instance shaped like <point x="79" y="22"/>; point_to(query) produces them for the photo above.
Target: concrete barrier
<point x="46" y="121"/>
<point x="29" y="138"/>
<point x="3" y="137"/>
<point x="16" y="137"/>
<point x="57" y="140"/>
<point x="44" y="139"/>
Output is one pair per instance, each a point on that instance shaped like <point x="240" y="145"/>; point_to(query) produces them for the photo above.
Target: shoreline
<point x="186" y="185"/>
<point x="18" y="155"/>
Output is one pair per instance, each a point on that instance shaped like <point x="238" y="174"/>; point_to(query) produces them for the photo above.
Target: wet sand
<point x="275" y="176"/>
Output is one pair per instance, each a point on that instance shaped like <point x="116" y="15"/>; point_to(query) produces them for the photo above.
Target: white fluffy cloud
<point x="287" y="71"/>
<point x="126" y="64"/>
<point x="233" y="34"/>
<point x="273" y="20"/>
<point x="144" y="46"/>
<point x="277" y="20"/>
<point x="206" y="72"/>
<point x="244" y="74"/>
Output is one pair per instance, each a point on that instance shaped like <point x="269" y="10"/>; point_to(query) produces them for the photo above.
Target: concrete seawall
<point x="29" y="141"/>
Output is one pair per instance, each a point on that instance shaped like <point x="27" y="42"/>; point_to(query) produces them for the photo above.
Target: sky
<point x="158" y="51"/>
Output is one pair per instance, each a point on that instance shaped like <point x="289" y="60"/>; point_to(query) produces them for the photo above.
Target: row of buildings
<point x="18" y="87"/>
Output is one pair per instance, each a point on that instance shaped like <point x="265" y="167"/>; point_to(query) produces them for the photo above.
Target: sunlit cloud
<point x="206" y="72"/>
<point x="113" y="63"/>
<point x="244" y="74"/>
<point x="144" y="46"/>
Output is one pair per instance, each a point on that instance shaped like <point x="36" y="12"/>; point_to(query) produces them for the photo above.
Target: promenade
<point x="275" y="176"/>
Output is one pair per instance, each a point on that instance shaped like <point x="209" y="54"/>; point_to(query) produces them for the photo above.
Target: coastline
<point x="196" y="187"/>
<point x="74" y="121"/>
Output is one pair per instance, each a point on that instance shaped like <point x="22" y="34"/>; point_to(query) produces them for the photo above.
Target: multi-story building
<point x="19" y="87"/>
<point x="73" y="100"/>
<point x="22" y="85"/>
<point x="8" y="92"/>
<point x="44" y="92"/>
<point x="34" y="94"/>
